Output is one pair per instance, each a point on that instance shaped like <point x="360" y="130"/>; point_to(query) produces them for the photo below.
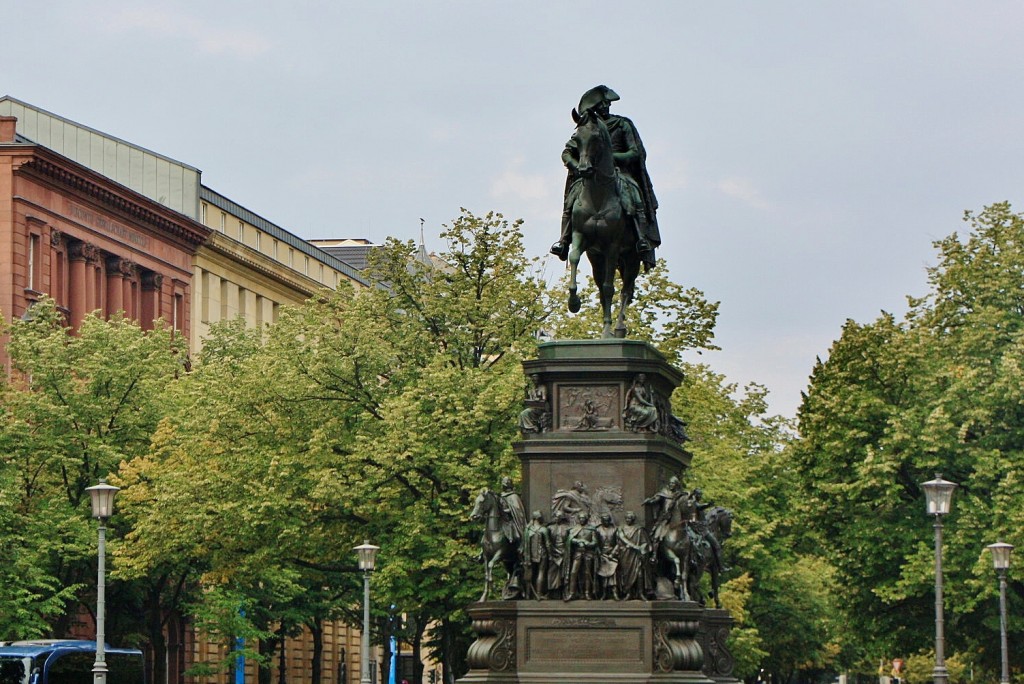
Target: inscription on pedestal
<point x="567" y="644"/>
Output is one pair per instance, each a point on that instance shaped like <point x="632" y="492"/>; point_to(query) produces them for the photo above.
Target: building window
<point x="273" y="249"/>
<point x="241" y="232"/>
<point x="178" y="314"/>
<point x="257" y="245"/>
<point x="59" y="291"/>
<point x="33" y="262"/>
<point x="223" y="222"/>
<point x="305" y="265"/>
<point x="202" y="213"/>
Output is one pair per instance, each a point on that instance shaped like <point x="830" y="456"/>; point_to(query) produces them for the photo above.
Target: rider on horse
<point x="665" y="502"/>
<point x="700" y="526"/>
<point x="513" y="513"/>
<point x="635" y="191"/>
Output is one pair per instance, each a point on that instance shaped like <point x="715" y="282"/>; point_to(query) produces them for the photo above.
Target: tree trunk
<point x="385" y="637"/>
<point x="282" y="657"/>
<point x="316" y="629"/>
<point x="447" y="673"/>
<point x="157" y="640"/>
<point x="417" y="644"/>
<point x="267" y="647"/>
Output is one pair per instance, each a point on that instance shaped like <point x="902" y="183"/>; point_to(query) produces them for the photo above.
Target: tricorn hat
<point x="596" y="96"/>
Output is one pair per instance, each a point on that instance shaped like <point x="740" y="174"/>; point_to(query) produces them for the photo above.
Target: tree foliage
<point x="75" y="408"/>
<point x="363" y="415"/>
<point x="898" y="401"/>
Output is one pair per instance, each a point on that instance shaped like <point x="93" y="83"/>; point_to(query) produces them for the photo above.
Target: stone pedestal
<point x="600" y="642"/>
<point x="590" y="442"/>
<point x="713" y="634"/>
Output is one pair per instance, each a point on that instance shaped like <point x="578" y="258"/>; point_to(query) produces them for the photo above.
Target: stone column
<point x="93" y="282"/>
<point x="78" y="285"/>
<point x="115" y="285"/>
<point x="149" y="309"/>
<point x="128" y="276"/>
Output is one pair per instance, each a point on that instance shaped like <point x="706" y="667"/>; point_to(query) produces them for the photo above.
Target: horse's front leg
<point x="605" y="276"/>
<point x="575" y="253"/>
<point x="629" y="274"/>
<point x="489" y="574"/>
<point x="715" y="585"/>
<point x="680" y="575"/>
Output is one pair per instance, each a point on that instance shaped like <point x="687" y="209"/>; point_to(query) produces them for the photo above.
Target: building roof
<point x="160" y="178"/>
<point x="166" y="181"/>
<point x="353" y="252"/>
<point x="311" y="249"/>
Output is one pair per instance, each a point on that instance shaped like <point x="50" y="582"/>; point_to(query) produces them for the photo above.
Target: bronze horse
<point x="720" y="525"/>
<point x="495" y="546"/>
<point x="677" y="547"/>
<point x="702" y="557"/>
<point x="600" y="227"/>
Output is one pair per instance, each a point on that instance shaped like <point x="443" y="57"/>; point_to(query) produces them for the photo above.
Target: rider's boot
<point x="642" y="245"/>
<point x="561" y="248"/>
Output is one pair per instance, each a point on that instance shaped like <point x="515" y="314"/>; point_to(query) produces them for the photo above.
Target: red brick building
<point x="87" y="241"/>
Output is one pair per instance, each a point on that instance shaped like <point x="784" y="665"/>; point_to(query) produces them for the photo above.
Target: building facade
<point x="88" y="242"/>
<point x="244" y="266"/>
<point x="100" y="224"/>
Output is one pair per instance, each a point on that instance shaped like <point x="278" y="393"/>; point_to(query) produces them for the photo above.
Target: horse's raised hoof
<point x="574" y="302"/>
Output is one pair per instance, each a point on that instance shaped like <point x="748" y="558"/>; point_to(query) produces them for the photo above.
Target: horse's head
<point x="720" y="523"/>
<point x="595" y="145"/>
<point x="482" y="504"/>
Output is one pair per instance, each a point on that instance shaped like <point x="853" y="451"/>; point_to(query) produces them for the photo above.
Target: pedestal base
<point x="715" y="626"/>
<point x="599" y="642"/>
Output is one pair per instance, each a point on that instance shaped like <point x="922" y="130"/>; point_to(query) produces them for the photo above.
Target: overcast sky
<point x="805" y="154"/>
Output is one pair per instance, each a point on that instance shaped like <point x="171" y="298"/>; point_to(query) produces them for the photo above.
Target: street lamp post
<point x="938" y="496"/>
<point x="1001" y="561"/>
<point x="102" y="508"/>
<point x="367" y="558"/>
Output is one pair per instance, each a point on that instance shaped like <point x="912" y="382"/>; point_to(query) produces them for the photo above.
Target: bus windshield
<point x="15" y="669"/>
<point x="70" y="667"/>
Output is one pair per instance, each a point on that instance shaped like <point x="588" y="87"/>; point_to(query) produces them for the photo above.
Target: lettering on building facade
<point x="101" y="222"/>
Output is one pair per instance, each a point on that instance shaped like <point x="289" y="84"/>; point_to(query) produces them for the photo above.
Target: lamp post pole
<point x="367" y="557"/>
<point x="939" y="675"/>
<point x="102" y="508"/>
<point x="1001" y="560"/>
<point x="938" y="496"/>
<point x="1005" y="678"/>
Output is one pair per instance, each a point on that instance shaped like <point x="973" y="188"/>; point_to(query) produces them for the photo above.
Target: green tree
<point x="75" y="407"/>
<point x="374" y="414"/>
<point x="898" y="401"/>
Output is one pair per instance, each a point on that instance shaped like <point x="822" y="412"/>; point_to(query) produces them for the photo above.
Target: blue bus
<point x="66" y="661"/>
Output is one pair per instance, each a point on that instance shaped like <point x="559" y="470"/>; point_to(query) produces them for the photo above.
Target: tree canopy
<point x="900" y="400"/>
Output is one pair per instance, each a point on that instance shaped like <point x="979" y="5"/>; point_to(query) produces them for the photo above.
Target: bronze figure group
<point x="583" y="554"/>
<point x="610" y="211"/>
